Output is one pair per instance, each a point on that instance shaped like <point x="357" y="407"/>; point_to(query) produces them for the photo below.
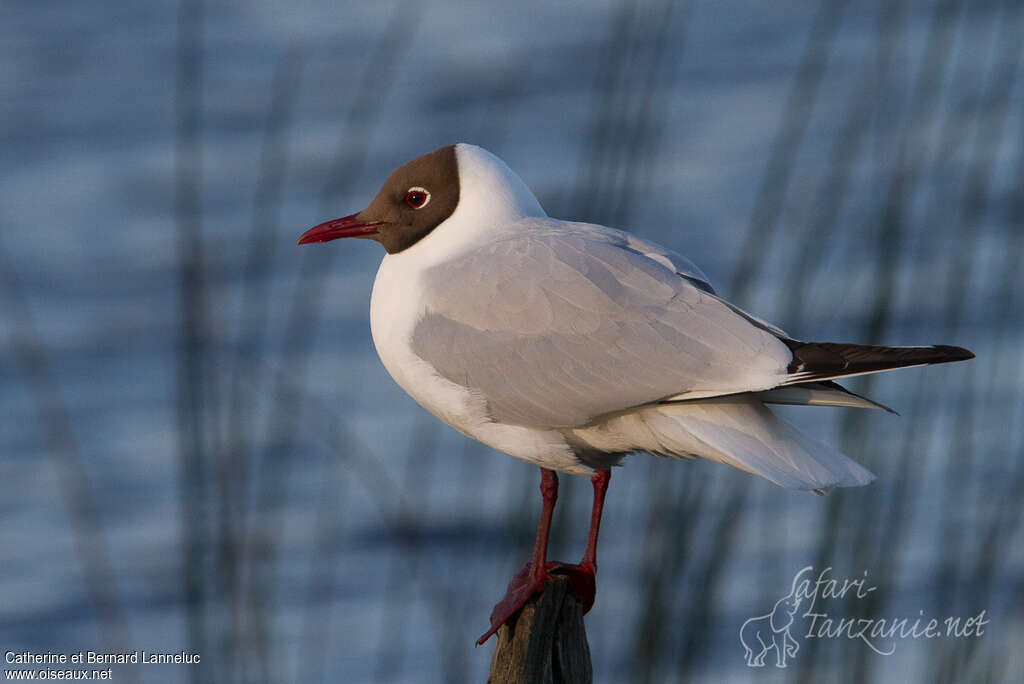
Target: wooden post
<point x="547" y="642"/>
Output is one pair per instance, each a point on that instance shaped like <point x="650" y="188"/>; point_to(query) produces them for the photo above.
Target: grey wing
<point x="679" y="264"/>
<point x="561" y="324"/>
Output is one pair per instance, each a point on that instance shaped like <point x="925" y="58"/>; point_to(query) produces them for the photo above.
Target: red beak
<point x="346" y="226"/>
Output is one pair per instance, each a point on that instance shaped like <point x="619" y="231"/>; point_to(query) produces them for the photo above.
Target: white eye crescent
<point x="417" y="197"/>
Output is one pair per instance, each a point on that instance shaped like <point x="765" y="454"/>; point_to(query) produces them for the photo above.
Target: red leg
<point x="600" y="480"/>
<point x="530" y="580"/>
<point x="549" y="496"/>
<point x="582" y="578"/>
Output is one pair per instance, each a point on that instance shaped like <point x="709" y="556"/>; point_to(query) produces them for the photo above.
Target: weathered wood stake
<point x="547" y="642"/>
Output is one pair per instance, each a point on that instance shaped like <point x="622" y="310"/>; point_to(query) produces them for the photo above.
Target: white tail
<point x="737" y="430"/>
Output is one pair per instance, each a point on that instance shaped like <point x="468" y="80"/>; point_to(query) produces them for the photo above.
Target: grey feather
<point x="825" y="393"/>
<point x="565" y="322"/>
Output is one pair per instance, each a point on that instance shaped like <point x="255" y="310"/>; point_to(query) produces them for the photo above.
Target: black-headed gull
<point x="571" y="345"/>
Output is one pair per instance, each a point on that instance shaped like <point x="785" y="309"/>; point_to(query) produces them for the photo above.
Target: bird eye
<point x="417" y="197"/>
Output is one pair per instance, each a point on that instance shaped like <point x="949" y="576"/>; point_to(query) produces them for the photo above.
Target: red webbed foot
<point x="526" y="584"/>
<point x="521" y="588"/>
<point x="582" y="581"/>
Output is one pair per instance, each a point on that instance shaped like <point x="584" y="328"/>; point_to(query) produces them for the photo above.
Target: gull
<point x="571" y="345"/>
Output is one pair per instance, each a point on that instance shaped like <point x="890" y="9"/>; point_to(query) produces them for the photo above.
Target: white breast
<point x="491" y="196"/>
<point x="395" y="306"/>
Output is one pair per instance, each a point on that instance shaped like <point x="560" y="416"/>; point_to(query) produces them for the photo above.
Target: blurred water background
<point x="201" y="451"/>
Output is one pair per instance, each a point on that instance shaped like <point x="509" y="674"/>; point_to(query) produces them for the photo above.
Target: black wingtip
<point x="830" y="360"/>
<point x="954" y="353"/>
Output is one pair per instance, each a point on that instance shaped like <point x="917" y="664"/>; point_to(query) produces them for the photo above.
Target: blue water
<point x="392" y="536"/>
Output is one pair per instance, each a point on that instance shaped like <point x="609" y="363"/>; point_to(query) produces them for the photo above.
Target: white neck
<point x="491" y="196"/>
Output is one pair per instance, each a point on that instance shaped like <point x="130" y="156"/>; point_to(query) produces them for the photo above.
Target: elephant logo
<point x="761" y="634"/>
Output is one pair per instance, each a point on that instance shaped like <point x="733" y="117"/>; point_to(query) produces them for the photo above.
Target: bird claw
<point x="526" y="583"/>
<point x="582" y="581"/>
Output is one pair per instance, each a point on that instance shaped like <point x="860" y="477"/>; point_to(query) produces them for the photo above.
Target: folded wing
<point x="561" y="323"/>
<point x="555" y="327"/>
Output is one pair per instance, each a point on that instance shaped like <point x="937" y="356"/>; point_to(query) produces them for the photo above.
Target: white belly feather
<point x="395" y="306"/>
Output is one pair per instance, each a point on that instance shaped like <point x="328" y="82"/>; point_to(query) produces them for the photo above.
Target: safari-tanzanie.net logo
<point x="803" y="613"/>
